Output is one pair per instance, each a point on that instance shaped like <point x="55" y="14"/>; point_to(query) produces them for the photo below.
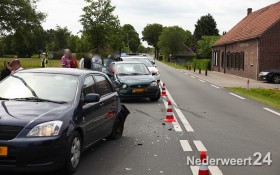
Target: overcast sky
<point x="139" y="13"/>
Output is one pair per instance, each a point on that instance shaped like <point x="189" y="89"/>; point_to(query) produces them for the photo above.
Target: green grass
<point x="30" y="62"/>
<point x="269" y="97"/>
<point x="176" y="66"/>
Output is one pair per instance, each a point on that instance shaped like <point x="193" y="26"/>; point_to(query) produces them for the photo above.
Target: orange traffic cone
<point x="169" y="113"/>
<point x="203" y="169"/>
<point x="163" y="90"/>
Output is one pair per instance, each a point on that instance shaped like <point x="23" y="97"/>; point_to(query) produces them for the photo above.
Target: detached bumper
<point x="34" y="154"/>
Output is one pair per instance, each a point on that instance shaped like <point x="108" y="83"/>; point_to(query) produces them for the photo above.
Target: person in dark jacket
<point x="6" y="71"/>
<point x="113" y="58"/>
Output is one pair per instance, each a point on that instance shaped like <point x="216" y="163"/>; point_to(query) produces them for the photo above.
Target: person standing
<point x="96" y="59"/>
<point x="113" y="58"/>
<point x="44" y="60"/>
<point x="81" y="62"/>
<point x="16" y="66"/>
<point x="65" y="61"/>
<point x="73" y="61"/>
<point x="6" y="71"/>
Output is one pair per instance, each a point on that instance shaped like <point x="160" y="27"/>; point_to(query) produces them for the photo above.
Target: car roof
<point x="128" y="62"/>
<point x="135" y="57"/>
<point x="66" y="71"/>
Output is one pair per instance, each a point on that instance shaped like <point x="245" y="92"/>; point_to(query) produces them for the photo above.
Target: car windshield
<point x="145" y="61"/>
<point x="131" y="69"/>
<point x="52" y="87"/>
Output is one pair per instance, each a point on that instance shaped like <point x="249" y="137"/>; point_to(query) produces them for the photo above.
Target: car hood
<point x="272" y="70"/>
<point x="153" y="69"/>
<point x="21" y="113"/>
<point x="134" y="80"/>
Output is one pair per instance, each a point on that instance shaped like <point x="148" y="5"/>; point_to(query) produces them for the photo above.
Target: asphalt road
<point x="208" y="118"/>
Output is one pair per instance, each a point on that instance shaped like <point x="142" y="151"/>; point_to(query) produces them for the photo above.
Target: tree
<point x="172" y="39"/>
<point x="98" y="23"/>
<point x="206" y="25"/>
<point x="205" y="44"/>
<point x="131" y="37"/>
<point x="18" y="13"/>
<point x="151" y="34"/>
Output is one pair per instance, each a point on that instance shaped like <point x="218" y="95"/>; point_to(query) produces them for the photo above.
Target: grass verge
<point x="270" y="97"/>
<point x="176" y="66"/>
<point x="30" y="62"/>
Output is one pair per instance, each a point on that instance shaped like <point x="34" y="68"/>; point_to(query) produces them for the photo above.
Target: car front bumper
<point x="34" y="154"/>
<point x="149" y="93"/>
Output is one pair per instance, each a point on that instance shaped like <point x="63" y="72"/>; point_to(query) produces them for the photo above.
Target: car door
<point x="92" y="113"/>
<point x="109" y="101"/>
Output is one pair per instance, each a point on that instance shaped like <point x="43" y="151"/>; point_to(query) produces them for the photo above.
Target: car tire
<point x="156" y="98"/>
<point x="117" y="130"/>
<point x="276" y="79"/>
<point x="73" y="154"/>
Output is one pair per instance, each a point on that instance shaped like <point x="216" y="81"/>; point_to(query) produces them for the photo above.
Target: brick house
<point x="251" y="46"/>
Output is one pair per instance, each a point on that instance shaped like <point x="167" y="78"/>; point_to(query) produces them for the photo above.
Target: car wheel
<point x="276" y="79"/>
<point x="73" y="155"/>
<point x="156" y="98"/>
<point x="117" y="130"/>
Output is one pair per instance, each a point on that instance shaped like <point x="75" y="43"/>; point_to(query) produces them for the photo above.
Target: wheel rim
<point x="277" y="79"/>
<point x="75" y="152"/>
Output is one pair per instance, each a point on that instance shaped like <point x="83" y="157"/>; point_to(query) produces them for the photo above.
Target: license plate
<point x="3" y="151"/>
<point x="139" y="90"/>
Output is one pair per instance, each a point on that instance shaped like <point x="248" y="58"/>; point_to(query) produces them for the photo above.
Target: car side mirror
<point x="92" y="98"/>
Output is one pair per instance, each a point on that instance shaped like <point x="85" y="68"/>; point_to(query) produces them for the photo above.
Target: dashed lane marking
<point x="202" y="81"/>
<point x="272" y="111"/>
<point x="186" y="145"/>
<point x="213" y="169"/>
<point x="193" y="76"/>
<point x="215" y="86"/>
<point x="237" y="96"/>
<point x="199" y="145"/>
<point x="195" y="170"/>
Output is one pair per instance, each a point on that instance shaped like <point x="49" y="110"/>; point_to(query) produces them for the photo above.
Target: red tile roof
<point x="253" y="25"/>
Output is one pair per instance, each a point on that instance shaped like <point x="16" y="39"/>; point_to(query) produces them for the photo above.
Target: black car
<point x="272" y="75"/>
<point x="134" y="80"/>
<point x="48" y="117"/>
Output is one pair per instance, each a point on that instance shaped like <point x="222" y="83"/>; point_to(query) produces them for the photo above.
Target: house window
<point x="232" y="59"/>
<point x="246" y="58"/>
<point x="252" y="59"/>
<point x="215" y="58"/>
<point x="223" y="56"/>
<point x="241" y="61"/>
<point x="228" y="60"/>
<point x="237" y="60"/>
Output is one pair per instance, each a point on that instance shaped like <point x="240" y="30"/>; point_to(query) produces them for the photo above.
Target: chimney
<point x="249" y="11"/>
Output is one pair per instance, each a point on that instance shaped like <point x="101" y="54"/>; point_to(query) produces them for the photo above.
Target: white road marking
<point x="180" y="114"/>
<point x="181" y="71"/>
<point x="193" y="76"/>
<point x="215" y="86"/>
<point x="272" y="111"/>
<point x="202" y="81"/>
<point x="186" y="74"/>
<point x="185" y="145"/>
<point x="195" y="170"/>
<point x="215" y="170"/>
<point x="237" y="96"/>
<point x="176" y="125"/>
<point x="199" y="145"/>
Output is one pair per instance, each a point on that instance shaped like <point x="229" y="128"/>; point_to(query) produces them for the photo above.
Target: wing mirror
<point x="92" y="98"/>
